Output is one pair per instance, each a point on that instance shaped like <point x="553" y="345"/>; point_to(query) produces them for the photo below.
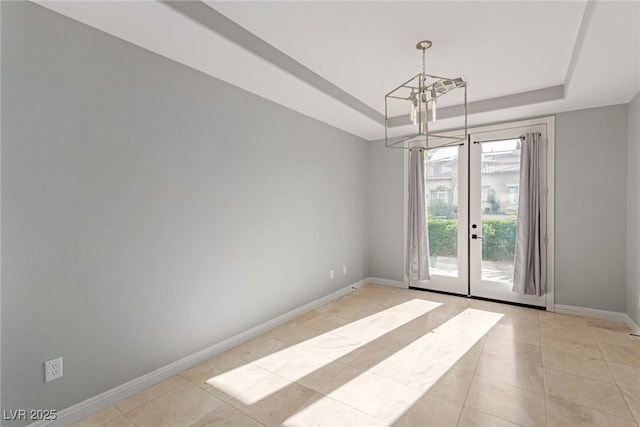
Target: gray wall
<point x="633" y="210"/>
<point x="150" y="211"/>
<point x="591" y="208"/>
<point x="385" y="212"/>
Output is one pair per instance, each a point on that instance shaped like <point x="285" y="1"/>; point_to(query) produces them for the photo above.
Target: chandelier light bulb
<point x="424" y="118"/>
<point x="413" y="112"/>
<point x="433" y="111"/>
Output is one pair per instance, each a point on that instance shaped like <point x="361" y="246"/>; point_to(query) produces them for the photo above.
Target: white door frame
<point x="549" y="124"/>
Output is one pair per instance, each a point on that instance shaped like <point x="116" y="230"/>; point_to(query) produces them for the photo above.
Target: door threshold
<point x="438" y="292"/>
<point x="517" y="304"/>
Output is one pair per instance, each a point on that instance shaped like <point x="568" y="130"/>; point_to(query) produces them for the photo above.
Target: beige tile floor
<point x="385" y="356"/>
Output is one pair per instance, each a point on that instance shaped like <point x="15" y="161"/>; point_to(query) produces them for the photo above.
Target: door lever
<point x="475" y="236"/>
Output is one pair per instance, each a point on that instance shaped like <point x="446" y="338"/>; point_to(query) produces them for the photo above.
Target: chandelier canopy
<point x="414" y="103"/>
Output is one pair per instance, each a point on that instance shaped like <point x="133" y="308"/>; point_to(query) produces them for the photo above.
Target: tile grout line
<point x="473" y="376"/>
<point x="624" y="398"/>
<point x="606" y="362"/>
<point x="609" y="414"/>
<point x="223" y="402"/>
<point x="114" y="418"/>
<point x="151" y="400"/>
<point x="130" y="420"/>
<point x="544" y="383"/>
<point x="590" y="379"/>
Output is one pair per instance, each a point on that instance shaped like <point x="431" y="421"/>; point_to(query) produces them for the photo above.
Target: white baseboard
<point x="612" y="316"/>
<point x="358" y="285"/>
<point x="599" y="314"/>
<point x="631" y="324"/>
<point x="386" y="282"/>
<point x="87" y="407"/>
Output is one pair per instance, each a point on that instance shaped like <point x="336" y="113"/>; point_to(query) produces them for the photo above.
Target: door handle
<point x="475" y="236"/>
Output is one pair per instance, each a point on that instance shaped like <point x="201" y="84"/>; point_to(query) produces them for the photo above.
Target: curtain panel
<point x="417" y="240"/>
<point x="530" y="253"/>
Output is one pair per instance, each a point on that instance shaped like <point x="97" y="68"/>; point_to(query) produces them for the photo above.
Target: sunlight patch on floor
<point x="390" y="388"/>
<point x="305" y="358"/>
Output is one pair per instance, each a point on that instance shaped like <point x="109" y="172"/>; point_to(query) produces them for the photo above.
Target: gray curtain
<point x="530" y="274"/>
<point x="417" y="240"/>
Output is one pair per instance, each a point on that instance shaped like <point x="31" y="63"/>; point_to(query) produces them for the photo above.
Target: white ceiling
<point x="350" y="54"/>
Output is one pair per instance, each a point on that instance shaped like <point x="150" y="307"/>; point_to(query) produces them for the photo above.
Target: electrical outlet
<point x="332" y="274"/>
<point x="344" y="269"/>
<point x="52" y="369"/>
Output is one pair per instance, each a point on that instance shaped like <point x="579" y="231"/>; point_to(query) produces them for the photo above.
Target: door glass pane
<point x="500" y="175"/>
<point x="441" y="165"/>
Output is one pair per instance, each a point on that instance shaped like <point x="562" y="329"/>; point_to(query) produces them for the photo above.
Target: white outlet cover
<point x="332" y="274"/>
<point x="344" y="269"/>
<point x="52" y="369"/>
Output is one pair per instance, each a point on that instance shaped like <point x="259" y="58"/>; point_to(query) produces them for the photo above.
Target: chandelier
<point x="415" y="102"/>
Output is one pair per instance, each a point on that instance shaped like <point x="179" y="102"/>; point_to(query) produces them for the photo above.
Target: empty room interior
<point x="320" y="213"/>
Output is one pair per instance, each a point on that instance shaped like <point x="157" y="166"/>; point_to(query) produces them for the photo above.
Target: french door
<point x="472" y="205"/>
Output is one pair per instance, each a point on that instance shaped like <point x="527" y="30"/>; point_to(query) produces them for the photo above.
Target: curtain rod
<point x="502" y="139"/>
<point x="475" y="142"/>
